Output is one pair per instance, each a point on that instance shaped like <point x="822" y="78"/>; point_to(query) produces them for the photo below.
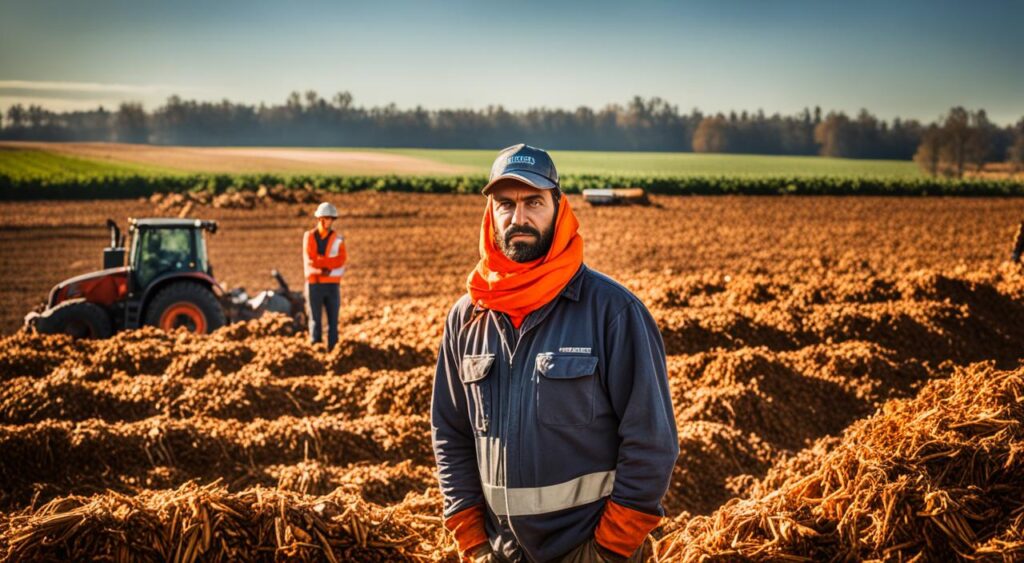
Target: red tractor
<point x="168" y="283"/>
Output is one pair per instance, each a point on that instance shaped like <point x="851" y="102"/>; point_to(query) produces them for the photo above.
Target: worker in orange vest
<point x="324" y="257"/>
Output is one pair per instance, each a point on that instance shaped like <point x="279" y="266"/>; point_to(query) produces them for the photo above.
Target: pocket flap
<point x="565" y="366"/>
<point x="476" y="367"/>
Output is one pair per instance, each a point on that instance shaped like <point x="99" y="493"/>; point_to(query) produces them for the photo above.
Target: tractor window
<point x="161" y="251"/>
<point x="202" y="264"/>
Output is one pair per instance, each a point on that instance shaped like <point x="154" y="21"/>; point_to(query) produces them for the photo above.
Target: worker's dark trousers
<point x="321" y="296"/>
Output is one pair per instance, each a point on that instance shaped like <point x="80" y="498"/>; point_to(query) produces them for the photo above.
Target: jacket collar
<point x="575" y="286"/>
<point x="572" y="290"/>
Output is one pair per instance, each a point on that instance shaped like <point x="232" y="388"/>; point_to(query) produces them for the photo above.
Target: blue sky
<point x="907" y="58"/>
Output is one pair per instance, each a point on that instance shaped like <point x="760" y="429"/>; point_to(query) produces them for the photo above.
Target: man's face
<point x="325" y="223"/>
<point x="524" y="220"/>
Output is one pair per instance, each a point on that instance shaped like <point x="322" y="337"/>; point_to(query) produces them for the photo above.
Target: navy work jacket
<point x="544" y="424"/>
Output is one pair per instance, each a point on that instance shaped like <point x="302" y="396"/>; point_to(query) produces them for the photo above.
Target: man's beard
<point x="524" y="251"/>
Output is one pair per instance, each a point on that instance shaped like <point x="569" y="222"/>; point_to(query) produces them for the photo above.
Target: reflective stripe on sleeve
<point x="307" y="260"/>
<point x="524" y="501"/>
<point x="333" y="252"/>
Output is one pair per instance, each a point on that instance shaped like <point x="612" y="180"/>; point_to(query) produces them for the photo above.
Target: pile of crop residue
<point x="253" y="444"/>
<point x="934" y="477"/>
<point x="209" y="523"/>
<point x="182" y="203"/>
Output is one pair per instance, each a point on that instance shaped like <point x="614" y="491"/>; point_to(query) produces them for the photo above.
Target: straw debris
<point x="936" y="477"/>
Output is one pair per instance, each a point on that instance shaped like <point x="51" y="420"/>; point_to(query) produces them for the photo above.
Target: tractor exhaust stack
<point x="113" y="256"/>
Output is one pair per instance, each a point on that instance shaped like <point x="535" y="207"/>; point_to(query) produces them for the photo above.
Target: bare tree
<point x="833" y="135"/>
<point x="978" y="150"/>
<point x="928" y="155"/>
<point x="963" y="138"/>
<point x="15" y="115"/>
<point x="130" y="123"/>
<point x="1015" y="155"/>
<point x="36" y="116"/>
<point x="711" y="135"/>
<point x="343" y="100"/>
<point x="956" y="134"/>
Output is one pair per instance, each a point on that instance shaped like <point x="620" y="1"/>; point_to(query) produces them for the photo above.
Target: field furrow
<point x="822" y="355"/>
<point x="74" y="454"/>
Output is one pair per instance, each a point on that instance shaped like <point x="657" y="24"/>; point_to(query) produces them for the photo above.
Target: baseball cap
<point x="526" y="164"/>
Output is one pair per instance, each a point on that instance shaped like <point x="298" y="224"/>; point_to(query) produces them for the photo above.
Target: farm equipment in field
<point x="616" y="196"/>
<point x="240" y="307"/>
<point x="167" y="282"/>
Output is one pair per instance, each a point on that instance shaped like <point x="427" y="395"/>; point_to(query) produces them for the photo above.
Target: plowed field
<point x="844" y="373"/>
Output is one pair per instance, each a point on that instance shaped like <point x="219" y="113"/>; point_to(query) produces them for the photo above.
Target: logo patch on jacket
<point x="574" y="350"/>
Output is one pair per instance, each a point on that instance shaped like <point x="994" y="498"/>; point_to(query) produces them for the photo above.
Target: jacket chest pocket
<point x="565" y="389"/>
<point x="474" y="375"/>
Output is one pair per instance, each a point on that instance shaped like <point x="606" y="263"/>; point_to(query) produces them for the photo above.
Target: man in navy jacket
<point x="552" y="422"/>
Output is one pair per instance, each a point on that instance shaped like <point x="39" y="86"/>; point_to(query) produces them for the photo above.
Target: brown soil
<point x="404" y="246"/>
<point x="826" y="382"/>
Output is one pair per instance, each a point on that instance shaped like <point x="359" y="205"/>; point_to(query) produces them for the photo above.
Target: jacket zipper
<point x="508" y="414"/>
<point x="505" y="429"/>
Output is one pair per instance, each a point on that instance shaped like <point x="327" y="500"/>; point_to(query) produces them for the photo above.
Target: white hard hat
<point x="326" y="210"/>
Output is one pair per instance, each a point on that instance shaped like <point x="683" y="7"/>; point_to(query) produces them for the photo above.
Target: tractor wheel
<point x="186" y="304"/>
<point x="78" y="318"/>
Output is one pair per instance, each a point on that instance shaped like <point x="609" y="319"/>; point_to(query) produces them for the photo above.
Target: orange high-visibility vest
<point x="333" y="258"/>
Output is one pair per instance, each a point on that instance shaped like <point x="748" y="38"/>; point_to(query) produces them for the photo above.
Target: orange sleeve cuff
<point x="622" y="529"/>
<point x="468" y="527"/>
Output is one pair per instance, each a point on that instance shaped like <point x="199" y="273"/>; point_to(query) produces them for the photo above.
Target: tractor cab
<point x="170" y="281"/>
<point x="161" y="247"/>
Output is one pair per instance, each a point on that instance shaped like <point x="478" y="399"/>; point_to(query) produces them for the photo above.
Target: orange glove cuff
<point x="622" y="529"/>
<point x="468" y="527"/>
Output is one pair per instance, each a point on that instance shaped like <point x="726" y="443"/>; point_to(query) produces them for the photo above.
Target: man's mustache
<point x="520" y="230"/>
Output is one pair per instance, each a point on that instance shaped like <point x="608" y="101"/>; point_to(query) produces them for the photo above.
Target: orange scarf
<point x="505" y="285"/>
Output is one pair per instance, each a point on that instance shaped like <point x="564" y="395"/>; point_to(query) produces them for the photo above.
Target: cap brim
<point x="531" y="179"/>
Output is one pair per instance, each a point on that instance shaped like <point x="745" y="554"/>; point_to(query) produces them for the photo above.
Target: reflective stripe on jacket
<point x="545" y="424"/>
<point x="313" y="260"/>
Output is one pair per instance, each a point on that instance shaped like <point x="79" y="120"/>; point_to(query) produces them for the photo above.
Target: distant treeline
<point x="640" y="125"/>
